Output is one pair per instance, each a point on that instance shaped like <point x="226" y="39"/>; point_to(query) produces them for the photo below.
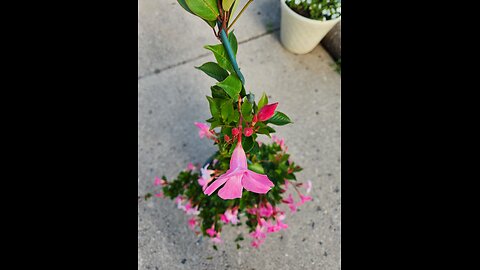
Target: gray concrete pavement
<point x="171" y="99"/>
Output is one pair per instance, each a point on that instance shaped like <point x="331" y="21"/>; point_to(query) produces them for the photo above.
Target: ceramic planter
<point x="300" y="34"/>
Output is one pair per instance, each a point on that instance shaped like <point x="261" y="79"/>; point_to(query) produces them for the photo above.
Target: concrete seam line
<point x="158" y="71"/>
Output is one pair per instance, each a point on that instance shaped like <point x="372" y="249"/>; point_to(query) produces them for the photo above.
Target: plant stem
<point x="238" y="16"/>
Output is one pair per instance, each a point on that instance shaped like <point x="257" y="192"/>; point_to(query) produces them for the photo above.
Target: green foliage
<point x="269" y="159"/>
<point x="221" y="56"/>
<point x="205" y="9"/>
<point x="214" y="70"/>
<point x="232" y="86"/>
<point x="317" y="9"/>
<point x="279" y="119"/>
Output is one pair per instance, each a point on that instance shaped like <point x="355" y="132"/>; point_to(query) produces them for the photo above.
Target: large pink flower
<point x="239" y="177"/>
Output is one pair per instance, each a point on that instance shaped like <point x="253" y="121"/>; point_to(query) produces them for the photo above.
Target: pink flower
<point x="256" y="243"/>
<point x="309" y="186"/>
<point x="159" y="182"/>
<point x="211" y="231"/>
<point x="190" y="167"/>
<point x="224" y="218"/>
<point x="231" y="215"/>
<point x="267" y="112"/>
<point x="290" y="203"/>
<point x="178" y="201"/>
<point x="204" y="131"/>
<point x="281" y="225"/>
<point x="238" y="177"/>
<point x="248" y="131"/>
<point x="286" y="183"/>
<point x="235" y="132"/>
<point x="259" y="232"/>
<point x="252" y="211"/>
<point x="303" y="199"/>
<point x="189" y="210"/>
<point x="217" y="239"/>
<point x="206" y="176"/>
<point x="191" y="223"/>
<point x="266" y="210"/>
<point x="280" y="142"/>
<point x="159" y="195"/>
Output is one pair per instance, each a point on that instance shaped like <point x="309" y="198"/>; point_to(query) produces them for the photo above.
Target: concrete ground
<point x="171" y="96"/>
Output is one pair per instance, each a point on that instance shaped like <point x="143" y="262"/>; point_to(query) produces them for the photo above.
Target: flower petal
<point x="238" y="160"/>
<point x="232" y="189"/>
<point x="255" y="182"/>
<point x="217" y="183"/>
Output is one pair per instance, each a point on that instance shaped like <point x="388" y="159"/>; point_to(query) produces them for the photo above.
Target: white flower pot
<point x="300" y="34"/>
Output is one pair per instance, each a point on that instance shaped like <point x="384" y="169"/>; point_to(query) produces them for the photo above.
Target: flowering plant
<point x="244" y="178"/>
<point x="322" y="10"/>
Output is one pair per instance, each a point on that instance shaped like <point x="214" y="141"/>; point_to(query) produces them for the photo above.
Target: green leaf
<point x="227" y="4"/>
<point x="247" y="143"/>
<point x="263" y="101"/>
<point x="214" y="70"/>
<point x="246" y="108"/>
<point x="205" y="9"/>
<point x="279" y="119"/>
<point x="217" y="92"/>
<point x="211" y="23"/>
<point x="233" y="42"/>
<point x="256" y="167"/>
<point x="184" y="5"/>
<point x="232" y="85"/>
<point x="227" y="109"/>
<point x="213" y="106"/>
<point x="236" y="117"/>
<point x="263" y="130"/>
<point x="232" y="11"/>
<point x="221" y="56"/>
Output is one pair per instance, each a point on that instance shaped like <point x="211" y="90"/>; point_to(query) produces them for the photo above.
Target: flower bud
<point x="248" y="131"/>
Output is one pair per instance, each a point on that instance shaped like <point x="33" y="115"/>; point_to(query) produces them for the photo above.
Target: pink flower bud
<point x="248" y="131"/>
<point x="255" y="119"/>
<point x="267" y="112"/>
<point x="226" y="138"/>
<point x="235" y="132"/>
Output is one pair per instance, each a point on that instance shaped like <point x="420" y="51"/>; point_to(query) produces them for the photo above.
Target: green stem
<point x="238" y="16"/>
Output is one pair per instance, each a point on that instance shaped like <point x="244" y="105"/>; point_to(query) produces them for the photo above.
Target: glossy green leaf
<point x="246" y="108"/>
<point x="214" y="70"/>
<point x="226" y="110"/>
<point x="256" y="167"/>
<point x="218" y="92"/>
<point x="279" y="119"/>
<point x="227" y="4"/>
<point x="263" y="101"/>
<point x="205" y="9"/>
<point x="221" y="56"/>
<point x="232" y="85"/>
<point x="247" y="143"/>
<point x="232" y="11"/>
<point x="213" y="106"/>
<point x="184" y="5"/>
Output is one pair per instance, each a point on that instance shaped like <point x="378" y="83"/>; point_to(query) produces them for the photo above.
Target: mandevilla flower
<point x="267" y="112"/>
<point x="290" y="203"/>
<point x="204" y="131"/>
<point x="231" y="215"/>
<point x="159" y="182"/>
<point x="303" y="199"/>
<point x="238" y="177"/>
<point x="191" y="223"/>
<point x="206" y="177"/>
<point x="309" y="186"/>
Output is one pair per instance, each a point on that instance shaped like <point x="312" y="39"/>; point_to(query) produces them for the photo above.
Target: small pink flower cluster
<point x="270" y="218"/>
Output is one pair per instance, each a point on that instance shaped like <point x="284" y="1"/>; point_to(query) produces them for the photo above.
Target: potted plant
<point x="304" y="23"/>
<point x="245" y="182"/>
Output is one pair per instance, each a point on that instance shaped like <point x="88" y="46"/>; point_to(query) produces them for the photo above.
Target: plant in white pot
<point x="304" y="23"/>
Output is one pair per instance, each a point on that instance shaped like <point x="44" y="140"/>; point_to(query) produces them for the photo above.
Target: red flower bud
<point x="235" y="132"/>
<point x="267" y="112"/>
<point x="255" y="119"/>
<point x="248" y="131"/>
<point x="226" y="138"/>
